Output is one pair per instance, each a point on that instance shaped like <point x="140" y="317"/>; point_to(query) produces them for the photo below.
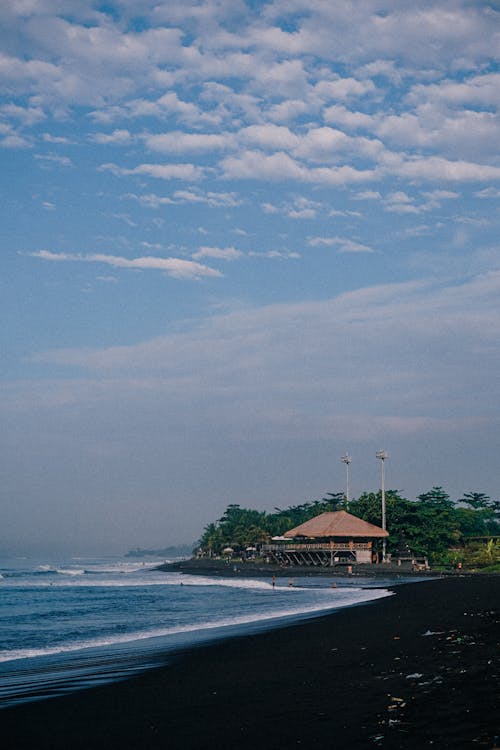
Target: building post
<point x="347" y="460"/>
<point x="382" y="455"/>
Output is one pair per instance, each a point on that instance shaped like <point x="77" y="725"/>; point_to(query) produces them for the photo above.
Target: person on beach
<point x="290" y="582"/>
<point x="273" y="582"/>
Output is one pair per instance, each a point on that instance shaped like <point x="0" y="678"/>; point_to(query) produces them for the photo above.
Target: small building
<point x="405" y="558"/>
<point x="332" y="538"/>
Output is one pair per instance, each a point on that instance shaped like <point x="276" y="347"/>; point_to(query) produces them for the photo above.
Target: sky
<point x="239" y="239"/>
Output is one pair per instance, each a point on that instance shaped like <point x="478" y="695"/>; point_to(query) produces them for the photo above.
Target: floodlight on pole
<point x="347" y="460"/>
<point x="382" y="455"/>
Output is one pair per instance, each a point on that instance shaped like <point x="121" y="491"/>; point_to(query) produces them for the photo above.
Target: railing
<point x="315" y="547"/>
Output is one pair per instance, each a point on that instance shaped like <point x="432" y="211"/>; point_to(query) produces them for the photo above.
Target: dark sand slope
<point x="363" y="677"/>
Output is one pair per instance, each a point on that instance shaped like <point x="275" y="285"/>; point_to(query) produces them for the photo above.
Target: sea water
<point x="70" y="624"/>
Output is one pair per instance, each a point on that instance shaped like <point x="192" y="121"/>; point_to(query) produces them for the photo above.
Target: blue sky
<point x="238" y="239"/>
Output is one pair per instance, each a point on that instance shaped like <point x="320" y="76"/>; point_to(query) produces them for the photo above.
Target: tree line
<point x="433" y="524"/>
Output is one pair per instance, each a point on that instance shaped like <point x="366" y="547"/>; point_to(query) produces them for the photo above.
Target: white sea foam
<point x="333" y="599"/>
<point x="70" y="571"/>
<point x="238" y="583"/>
<point x="120" y="567"/>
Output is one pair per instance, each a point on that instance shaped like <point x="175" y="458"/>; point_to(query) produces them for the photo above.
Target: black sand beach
<point x="418" y="669"/>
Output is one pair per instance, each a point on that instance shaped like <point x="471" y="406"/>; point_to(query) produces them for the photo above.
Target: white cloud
<point x="125" y="218"/>
<point x="49" y="138"/>
<point x="325" y="144"/>
<point x="349" y="246"/>
<point x="440" y="195"/>
<point x="288" y="110"/>
<point x="285" y="79"/>
<point x="53" y="159"/>
<point x="399" y="197"/>
<point x="339" y="212"/>
<point x="342" y="244"/>
<point x="152" y="200"/>
<point x="26" y="115"/>
<point x="419" y="35"/>
<point x="270" y="136"/>
<point x="402" y="208"/>
<point x="490" y="192"/>
<point x="216" y="200"/>
<point x="303" y="208"/>
<point x="175" y="267"/>
<point x="402" y="203"/>
<point x="280" y="254"/>
<point x="178" y="197"/>
<point x="178" y="142"/>
<point x="14" y="140"/>
<point x="420" y="230"/>
<point x="302" y="213"/>
<point x="432" y="126"/>
<point x="367" y="195"/>
<point x="269" y="208"/>
<point x="257" y="165"/>
<point x="438" y="169"/>
<point x="280" y="167"/>
<point x="298" y="207"/>
<point x="119" y="137"/>
<point x="188" y="172"/>
<point x="224" y="253"/>
<point x="343" y="88"/>
<point x="482" y="90"/>
<point x="386" y="69"/>
<point x="339" y="115"/>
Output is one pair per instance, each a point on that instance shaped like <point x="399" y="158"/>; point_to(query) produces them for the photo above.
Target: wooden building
<point x="335" y="538"/>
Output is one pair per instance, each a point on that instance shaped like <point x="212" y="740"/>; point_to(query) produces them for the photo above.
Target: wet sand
<point x="418" y="669"/>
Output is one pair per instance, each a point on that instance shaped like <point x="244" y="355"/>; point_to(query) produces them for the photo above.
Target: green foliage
<point x="241" y="527"/>
<point x="432" y="524"/>
<point x="486" y="509"/>
<point x="482" y="554"/>
<point x="480" y="501"/>
<point x="437" y="498"/>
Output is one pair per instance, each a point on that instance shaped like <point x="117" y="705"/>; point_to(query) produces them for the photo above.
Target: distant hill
<point x="181" y="550"/>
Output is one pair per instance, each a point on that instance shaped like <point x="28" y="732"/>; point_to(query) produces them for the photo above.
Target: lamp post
<point x="382" y="455"/>
<point x="347" y="460"/>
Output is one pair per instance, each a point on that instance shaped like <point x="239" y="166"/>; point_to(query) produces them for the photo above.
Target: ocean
<point x="67" y="625"/>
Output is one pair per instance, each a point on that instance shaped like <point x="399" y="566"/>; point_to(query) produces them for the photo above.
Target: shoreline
<point x="251" y="569"/>
<point x="407" y="671"/>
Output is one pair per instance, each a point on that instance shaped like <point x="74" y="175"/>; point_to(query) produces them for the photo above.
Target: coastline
<point x="408" y="671"/>
<point x="251" y="569"/>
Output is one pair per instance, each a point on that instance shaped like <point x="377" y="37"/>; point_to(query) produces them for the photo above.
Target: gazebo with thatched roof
<point x="331" y="538"/>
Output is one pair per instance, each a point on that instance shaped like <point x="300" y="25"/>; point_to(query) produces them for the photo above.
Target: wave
<point x="238" y="583"/>
<point x="70" y="572"/>
<point x="338" y="600"/>
<point x="69" y="577"/>
<point x="120" y="567"/>
<point x="54" y="570"/>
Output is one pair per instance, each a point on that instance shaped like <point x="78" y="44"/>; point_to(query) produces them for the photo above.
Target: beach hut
<point x="332" y="538"/>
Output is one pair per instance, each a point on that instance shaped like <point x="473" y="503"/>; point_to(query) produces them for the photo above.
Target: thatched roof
<point x="335" y="524"/>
